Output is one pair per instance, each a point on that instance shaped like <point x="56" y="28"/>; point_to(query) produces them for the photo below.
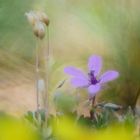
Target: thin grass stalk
<point x="37" y="75"/>
<point x="47" y="73"/>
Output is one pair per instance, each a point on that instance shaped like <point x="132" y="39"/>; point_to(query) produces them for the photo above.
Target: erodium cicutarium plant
<point x="39" y="21"/>
<point x="91" y="81"/>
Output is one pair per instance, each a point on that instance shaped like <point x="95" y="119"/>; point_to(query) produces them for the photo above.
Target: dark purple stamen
<point x="92" y="78"/>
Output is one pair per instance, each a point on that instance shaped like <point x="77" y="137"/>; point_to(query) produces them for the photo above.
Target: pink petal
<point x="109" y="76"/>
<point x="74" y="72"/>
<point x="79" y="82"/>
<point x="95" y="64"/>
<point x="93" y="89"/>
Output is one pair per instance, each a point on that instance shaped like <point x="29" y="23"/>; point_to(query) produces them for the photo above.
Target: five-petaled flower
<point x="91" y="81"/>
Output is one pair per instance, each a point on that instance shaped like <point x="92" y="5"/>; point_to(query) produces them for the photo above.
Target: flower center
<point x="92" y="78"/>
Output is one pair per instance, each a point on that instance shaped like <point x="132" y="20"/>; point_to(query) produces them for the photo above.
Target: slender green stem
<point x="42" y="70"/>
<point x="93" y="103"/>
<point x="37" y="76"/>
<point x="47" y="73"/>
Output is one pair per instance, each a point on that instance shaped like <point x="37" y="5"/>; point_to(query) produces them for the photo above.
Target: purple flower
<point x="91" y="81"/>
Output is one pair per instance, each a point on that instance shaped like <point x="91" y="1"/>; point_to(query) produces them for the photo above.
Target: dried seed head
<point x="38" y="20"/>
<point x="32" y="17"/>
<point x="39" y="29"/>
<point x="43" y="17"/>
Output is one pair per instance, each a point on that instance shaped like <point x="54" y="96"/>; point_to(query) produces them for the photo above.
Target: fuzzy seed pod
<point x="44" y="18"/>
<point x="32" y="17"/>
<point x="39" y="30"/>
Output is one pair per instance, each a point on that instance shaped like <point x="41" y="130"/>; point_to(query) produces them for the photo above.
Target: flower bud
<point x="44" y="18"/>
<point x="32" y="17"/>
<point x="39" y="30"/>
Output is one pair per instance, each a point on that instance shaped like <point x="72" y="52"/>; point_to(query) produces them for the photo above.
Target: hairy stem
<point x="37" y="76"/>
<point x="47" y="74"/>
<point x="93" y="104"/>
<point x="42" y="72"/>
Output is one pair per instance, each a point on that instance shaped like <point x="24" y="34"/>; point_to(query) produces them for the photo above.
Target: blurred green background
<point x="78" y="29"/>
